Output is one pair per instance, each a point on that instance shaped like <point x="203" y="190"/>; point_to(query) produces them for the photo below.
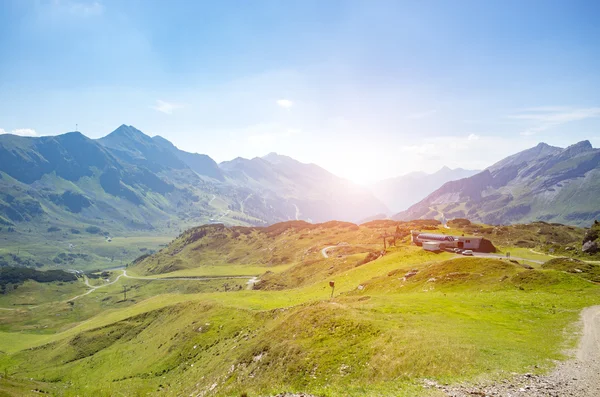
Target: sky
<point x="366" y="89"/>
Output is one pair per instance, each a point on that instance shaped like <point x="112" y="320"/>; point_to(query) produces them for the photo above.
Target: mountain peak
<point x="163" y="141"/>
<point x="583" y="145"/>
<point x="275" y="158"/>
<point x="127" y="130"/>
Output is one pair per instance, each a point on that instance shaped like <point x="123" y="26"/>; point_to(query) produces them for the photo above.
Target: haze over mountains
<point x="542" y="183"/>
<point x="128" y="180"/>
<point x="401" y="192"/>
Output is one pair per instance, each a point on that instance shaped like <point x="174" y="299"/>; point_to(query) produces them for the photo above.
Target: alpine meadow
<point x="299" y="199"/>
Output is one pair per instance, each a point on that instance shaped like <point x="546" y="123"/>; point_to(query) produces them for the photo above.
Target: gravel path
<point x="578" y="377"/>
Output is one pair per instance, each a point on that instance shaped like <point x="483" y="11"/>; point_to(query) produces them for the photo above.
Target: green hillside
<point x="380" y="334"/>
<point x="543" y="183"/>
<point x="128" y="184"/>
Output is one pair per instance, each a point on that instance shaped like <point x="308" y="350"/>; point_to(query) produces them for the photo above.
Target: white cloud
<point x="20" y="131"/>
<point x="544" y="118"/>
<point x="422" y="115"/>
<point x="473" y="137"/>
<point x="285" y="103"/>
<point x="165" y="107"/>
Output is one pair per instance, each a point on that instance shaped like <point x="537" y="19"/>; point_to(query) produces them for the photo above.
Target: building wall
<point x="470" y="243"/>
<point x="431" y="246"/>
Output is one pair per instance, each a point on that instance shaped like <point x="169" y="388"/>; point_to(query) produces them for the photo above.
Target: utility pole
<point x="76" y="128"/>
<point x="385" y="235"/>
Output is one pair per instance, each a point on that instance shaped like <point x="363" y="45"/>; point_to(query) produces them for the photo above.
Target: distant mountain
<point x="130" y="181"/>
<point x="202" y="164"/>
<point x="71" y="180"/>
<point x="401" y="192"/>
<point x="542" y="183"/>
<point x="314" y="193"/>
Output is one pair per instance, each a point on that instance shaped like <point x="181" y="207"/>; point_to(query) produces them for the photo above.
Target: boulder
<point x="590" y="247"/>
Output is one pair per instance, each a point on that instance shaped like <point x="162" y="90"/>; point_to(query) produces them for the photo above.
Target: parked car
<point x="458" y="250"/>
<point x="467" y="252"/>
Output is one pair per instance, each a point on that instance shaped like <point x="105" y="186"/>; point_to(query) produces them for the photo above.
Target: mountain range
<point x="130" y="181"/>
<point x="544" y="183"/>
<point x="401" y="192"/>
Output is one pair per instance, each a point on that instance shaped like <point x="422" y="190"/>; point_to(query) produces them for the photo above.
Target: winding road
<point x="324" y="250"/>
<point x="92" y="288"/>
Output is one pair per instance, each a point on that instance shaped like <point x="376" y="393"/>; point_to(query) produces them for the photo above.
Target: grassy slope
<point x="34" y="293"/>
<point x="497" y="318"/>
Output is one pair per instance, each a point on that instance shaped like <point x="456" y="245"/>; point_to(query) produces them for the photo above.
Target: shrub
<point x="93" y="229"/>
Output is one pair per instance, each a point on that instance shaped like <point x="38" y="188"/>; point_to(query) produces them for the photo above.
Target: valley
<point x="190" y="325"/>
<point x="299" y="198"/>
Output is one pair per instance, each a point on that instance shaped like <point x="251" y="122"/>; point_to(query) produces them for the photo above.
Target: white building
<point x="444" y="241"/>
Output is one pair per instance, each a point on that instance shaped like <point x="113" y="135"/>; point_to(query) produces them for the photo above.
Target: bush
<point x="93" y="229"/>
<point x="17" y="275"/>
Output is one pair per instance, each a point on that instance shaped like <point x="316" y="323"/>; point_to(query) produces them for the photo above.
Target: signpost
<point x="332" y="285"/>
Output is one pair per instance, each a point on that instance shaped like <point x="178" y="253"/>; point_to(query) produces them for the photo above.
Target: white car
<point x="467" y="252"/>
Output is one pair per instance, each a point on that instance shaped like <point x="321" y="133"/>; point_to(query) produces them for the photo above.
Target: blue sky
<point x="366" y="89"/>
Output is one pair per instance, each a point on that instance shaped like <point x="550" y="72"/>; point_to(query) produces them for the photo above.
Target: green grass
<point x="457" y="319"/>
<point x="589" y="271"/>
<point x="218" y="271"/>
<point x="32" y="293"/>
<point x="99" y="254"/>
<point x="353" y="344"/>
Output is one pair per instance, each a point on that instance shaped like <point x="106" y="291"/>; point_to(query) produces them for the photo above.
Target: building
<point x="468" y="243"/>
<point x="444" y="241"/>
<point x="431" y="246"/>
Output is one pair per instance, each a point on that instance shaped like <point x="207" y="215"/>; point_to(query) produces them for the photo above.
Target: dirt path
<point x="579" y="376"/>
<point x="92" y="288"/>
<point x="191" y="278"/>
<point x="250" y="283"/>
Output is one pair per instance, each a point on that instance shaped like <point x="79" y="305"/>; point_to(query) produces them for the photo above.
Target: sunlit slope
<point x="542" y="183"/>
<point x="394" y="320"/>
<point x="301" y="248"/>
<point x="280" y="245"/>
<point x="497" y="318"/>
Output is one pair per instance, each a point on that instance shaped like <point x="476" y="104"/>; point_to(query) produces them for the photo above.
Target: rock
<point x="590" y="247"/>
